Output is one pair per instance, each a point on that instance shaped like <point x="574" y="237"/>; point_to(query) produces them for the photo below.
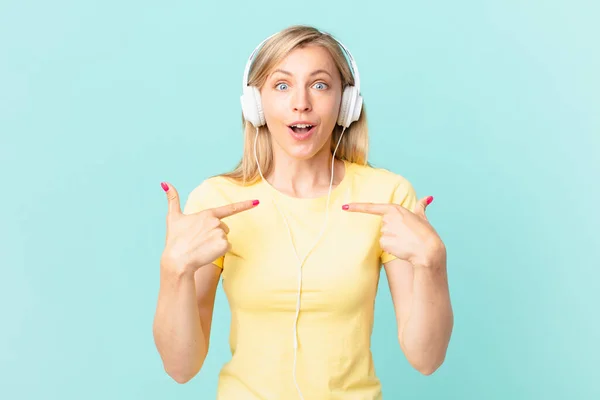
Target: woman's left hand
<point x="405" y="234"/>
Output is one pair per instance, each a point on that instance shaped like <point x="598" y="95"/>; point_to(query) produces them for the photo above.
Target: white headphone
<point x="350" y="107"/>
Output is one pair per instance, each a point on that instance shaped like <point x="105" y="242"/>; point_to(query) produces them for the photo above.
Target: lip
<point x="302" y="122"/>
<point x="302" y="136"/>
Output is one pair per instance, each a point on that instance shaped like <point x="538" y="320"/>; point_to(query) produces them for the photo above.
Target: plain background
<point x="491" y="107"/>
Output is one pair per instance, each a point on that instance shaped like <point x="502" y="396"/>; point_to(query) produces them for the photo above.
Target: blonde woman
<point x="298" y="233"/>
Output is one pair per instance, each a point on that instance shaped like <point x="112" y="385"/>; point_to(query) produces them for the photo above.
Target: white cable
<point x="301" y="261"/>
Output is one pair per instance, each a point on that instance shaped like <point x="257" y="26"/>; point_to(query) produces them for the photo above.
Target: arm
<point x="423" y="311"/>
<point x="195" y="247"/>
<point x="183" y="319"/>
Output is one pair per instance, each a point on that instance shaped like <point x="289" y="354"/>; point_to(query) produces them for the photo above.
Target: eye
<point x="323" y="84"/>
<point x="278" y="86"/>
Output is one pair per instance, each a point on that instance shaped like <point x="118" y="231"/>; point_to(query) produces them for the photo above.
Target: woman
<point x="298" y="232"/>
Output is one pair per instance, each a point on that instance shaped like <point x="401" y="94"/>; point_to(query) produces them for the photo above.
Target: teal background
<point x="491" y="107"/>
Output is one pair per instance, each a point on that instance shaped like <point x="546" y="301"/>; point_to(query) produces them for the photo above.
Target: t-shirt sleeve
<point x="406" y="196"/>
<point x="200" y="199"/>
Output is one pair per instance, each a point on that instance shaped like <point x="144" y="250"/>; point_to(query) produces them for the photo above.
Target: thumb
<point x="422" y="206"/>
<point x="172" y="197"/>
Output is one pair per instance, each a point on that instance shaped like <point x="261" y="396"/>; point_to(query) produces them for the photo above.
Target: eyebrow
<point x="318" y="71"/>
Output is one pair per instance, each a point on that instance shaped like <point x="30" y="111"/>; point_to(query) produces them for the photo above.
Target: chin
<point x="301" y="152"/>
<point x="304" y="149"/>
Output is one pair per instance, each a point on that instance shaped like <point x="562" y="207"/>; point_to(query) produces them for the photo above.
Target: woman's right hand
<point x="198" y="239"/>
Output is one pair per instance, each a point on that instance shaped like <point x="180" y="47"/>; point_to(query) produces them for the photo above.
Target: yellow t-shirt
<point x="339" y="283"/>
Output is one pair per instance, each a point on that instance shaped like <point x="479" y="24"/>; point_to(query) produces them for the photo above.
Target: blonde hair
<point x="355" y="142"/>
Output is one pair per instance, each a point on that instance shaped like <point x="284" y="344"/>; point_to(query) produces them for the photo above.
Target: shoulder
<point x="383" y="185"/>
<point x="213" y="192"/>
<point x="373" y="176"/>
<point x="216" y="185"/>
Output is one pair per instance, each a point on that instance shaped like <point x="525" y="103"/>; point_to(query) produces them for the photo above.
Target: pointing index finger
<point x="369" y="208"/>
<point x="233" y="208"/>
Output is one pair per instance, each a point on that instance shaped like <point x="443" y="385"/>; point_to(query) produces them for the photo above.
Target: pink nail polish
<point x="164" y="186"/>
<point x="345" y="207"/>
<point x="255" y="202"/>
<point x="429" y="200"/>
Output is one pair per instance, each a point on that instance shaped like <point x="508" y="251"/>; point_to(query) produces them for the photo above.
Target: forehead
<point x="307" y="59"/>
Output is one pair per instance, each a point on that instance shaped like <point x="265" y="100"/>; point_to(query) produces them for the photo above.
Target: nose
<point x="301" y="101"/>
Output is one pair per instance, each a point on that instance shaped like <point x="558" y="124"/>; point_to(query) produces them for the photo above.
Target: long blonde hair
<point x="355" y="142"/>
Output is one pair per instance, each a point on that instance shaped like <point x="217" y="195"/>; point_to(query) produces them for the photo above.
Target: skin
<point x="303" y="168"/>
<point x="417" y="278"/>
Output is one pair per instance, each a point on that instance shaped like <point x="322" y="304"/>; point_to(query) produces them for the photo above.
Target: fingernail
<point x="164" y="186"/>
<point x="345" y="207"/>
<point x="429" y="200"/>
<point x="255" y="202"/>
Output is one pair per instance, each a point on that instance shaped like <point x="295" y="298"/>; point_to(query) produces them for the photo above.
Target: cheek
<point x="328" y="110"/>
<point x="330" y="106"/>
<point x="274" y="105"/>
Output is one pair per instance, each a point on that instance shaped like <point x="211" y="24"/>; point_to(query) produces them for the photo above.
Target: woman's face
<point x="305" y="88"/>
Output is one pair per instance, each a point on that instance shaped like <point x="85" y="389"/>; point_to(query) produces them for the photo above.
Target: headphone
<point x="350" y="107"/>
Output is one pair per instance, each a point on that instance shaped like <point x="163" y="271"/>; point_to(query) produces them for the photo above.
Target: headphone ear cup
<point x="351" y="107"/>
<point x="357" y="109"/>
<point x="252" y="106"/>
<point x="344" y="106"/>
<point x="259" y="108"/>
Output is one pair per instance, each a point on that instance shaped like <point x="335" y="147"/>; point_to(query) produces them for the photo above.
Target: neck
<point x="304" y="178"/>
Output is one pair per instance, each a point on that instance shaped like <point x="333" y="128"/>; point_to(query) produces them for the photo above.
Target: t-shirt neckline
<point x="281" y="197"/>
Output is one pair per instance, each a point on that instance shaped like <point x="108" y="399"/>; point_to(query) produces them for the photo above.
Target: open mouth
<point x="301" y="131"/>
<point x="301" y="128"/>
